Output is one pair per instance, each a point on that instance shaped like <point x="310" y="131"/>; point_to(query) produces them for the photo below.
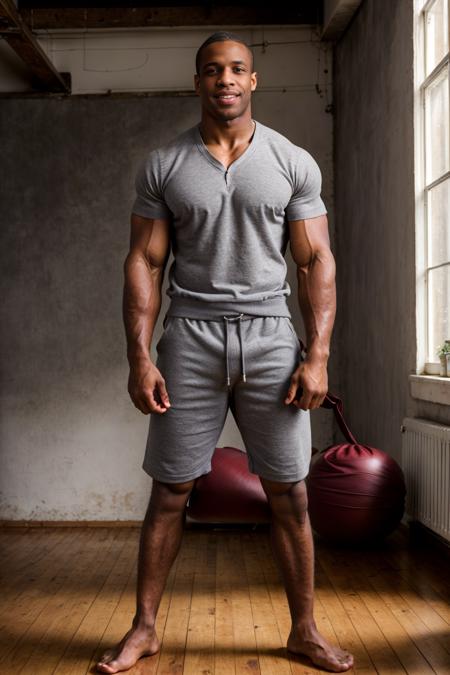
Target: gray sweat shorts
<point x="243" y="363"/>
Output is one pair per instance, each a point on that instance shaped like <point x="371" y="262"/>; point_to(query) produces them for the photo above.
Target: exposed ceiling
<point x="20" y="25"/>
<point x="17" y="33"/>
<point x="48" y="15"/>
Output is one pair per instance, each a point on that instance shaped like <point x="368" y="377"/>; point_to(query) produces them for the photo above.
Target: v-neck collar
<point x="217" y="163"/>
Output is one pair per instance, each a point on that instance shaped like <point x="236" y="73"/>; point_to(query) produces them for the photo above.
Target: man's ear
<point x="196" y="82"/>
<point x="254" y="80"/>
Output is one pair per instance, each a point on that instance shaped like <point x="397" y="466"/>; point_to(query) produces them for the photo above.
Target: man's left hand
<point x="310" y="380"/>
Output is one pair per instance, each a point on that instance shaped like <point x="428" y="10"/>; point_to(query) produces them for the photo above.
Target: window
<point x="432" y="146"/>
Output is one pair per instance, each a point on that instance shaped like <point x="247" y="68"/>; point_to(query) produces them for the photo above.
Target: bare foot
<point x="321" y="652"/>
<point x="136" y="643"/>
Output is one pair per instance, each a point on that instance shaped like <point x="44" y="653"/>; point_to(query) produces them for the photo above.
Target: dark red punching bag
<point x="356" y="494"/>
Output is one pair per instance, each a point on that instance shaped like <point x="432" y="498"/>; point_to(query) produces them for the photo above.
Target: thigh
<point x="277" y="436"/>
<point x="182" y="440"/>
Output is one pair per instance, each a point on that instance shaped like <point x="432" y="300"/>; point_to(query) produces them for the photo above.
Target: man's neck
<point x="227" y="134"/>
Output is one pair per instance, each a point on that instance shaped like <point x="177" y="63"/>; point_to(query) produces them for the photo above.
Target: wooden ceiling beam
<point x="194" y="15"/>
<point x="20" y="38"/>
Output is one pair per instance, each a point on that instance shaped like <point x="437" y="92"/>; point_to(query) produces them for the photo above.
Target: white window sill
<point x="430" y="388"/>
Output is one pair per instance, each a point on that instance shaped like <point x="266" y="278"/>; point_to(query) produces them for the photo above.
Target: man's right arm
<point x="144" y="273"/>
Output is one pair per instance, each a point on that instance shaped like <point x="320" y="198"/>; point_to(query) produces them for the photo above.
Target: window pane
<point x="438" y="309"/>
<point x="439" y="224"/>
<point x="436" y="34"/>
<point x="437" y="123"/>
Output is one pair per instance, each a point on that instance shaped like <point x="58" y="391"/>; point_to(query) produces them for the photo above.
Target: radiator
<point x="426" y="465"/>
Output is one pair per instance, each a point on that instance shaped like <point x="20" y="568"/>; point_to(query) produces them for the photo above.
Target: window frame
<point x="422" y="187"/>
<point x="430" y="388"/>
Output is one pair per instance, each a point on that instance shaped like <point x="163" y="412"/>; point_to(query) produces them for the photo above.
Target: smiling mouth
<point x="227" y="98"/>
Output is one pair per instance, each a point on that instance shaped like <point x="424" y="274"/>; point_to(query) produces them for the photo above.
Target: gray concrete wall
<point x="375" y="228"/>
<point x="72" y="441"/>
<point x="71" y="438"/>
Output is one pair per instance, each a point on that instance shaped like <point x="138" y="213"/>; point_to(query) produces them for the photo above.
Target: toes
<point x="338" y="662"/>
<point x="111" y="667"/>
<point x="108" y="663"/>
<point x="347" y="663"/>
<point x="107" y="656"/>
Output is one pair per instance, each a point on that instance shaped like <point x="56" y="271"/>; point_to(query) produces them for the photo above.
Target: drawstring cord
<point x="234" y="318"/>
<point x="244" y="376"/>
<point x="226" y="349"/>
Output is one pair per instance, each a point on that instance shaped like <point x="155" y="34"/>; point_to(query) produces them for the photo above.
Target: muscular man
<point x="228" y="195"/>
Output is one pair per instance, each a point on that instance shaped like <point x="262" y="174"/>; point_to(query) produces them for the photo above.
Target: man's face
<point x="225" y="80"/>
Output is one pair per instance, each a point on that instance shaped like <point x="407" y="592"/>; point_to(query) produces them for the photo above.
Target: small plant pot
<point x="443" y="360"/>
<point x="447" y="361"/>
<point x="432" y="368"/>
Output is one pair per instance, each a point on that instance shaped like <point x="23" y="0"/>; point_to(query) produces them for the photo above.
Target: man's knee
<point x="176" y="488"/>
<point x="287" y="499"/>
<point x="170" y="497"/>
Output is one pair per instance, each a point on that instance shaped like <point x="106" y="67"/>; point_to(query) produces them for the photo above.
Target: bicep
<point x="150" y="237"/>
<point x="308" y="239"/>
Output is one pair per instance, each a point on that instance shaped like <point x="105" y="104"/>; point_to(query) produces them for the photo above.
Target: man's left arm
<point x="316" y="272"/>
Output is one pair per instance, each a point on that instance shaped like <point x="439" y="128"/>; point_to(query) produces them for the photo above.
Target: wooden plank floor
<point x="67" y="593"/>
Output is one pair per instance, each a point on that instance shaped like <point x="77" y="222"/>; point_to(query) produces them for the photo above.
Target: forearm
<point x="141" y="305"/>
<point x="317" y="300"/>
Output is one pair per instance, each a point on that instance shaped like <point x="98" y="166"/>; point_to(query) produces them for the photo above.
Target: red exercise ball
<point x="356" y="494"/>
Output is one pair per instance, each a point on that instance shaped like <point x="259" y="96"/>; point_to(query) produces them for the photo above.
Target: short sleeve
<point x="306" y="201"/>
<point x="149" y="202"/>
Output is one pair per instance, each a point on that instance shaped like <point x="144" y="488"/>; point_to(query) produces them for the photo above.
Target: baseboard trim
<point x="71" y="523"/>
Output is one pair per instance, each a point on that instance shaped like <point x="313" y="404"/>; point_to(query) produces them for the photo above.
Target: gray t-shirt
<point x="229" y="230"/>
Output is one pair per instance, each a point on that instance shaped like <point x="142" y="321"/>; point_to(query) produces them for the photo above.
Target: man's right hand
<point x="147" y="388"/>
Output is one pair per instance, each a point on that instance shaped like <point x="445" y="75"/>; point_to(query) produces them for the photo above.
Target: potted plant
<point x="443" y="352"/>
